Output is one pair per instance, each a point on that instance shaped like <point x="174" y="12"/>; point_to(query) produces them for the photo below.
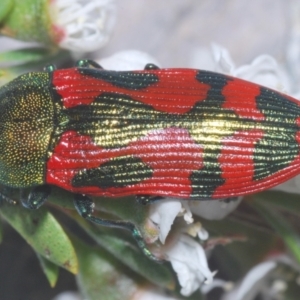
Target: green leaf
<point x="126" y="252"/>
<point x="126" y="208"/>
<point x="1" y="231"/>
<point x="5" y="7"/>
<point x="62" y="198"/>
<point x="50" y="269"/>
<point x="29" y="20"/>
<point x="131" y="255"/>
<point x="101" y="276"/>
<point x="281" y="226"/>
<point x="276" y="199"/>
<point x="6" y="76"/>
<point x="23" y="55"/>
<point x="28" y="59"/>
<point x="45" y="235"/>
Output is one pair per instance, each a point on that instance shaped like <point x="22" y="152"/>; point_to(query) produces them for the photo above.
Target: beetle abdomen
<point x="176" y="132"/>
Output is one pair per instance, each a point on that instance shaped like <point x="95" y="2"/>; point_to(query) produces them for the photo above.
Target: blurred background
<point x="172" y="32"/>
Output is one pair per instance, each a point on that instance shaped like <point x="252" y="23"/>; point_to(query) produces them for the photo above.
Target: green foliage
<point x="43" y="233"/>
<point x="5" y="8"/>
<point x="100" y="274"/>
<point x="50" y="269"/>
<point x="130" y="255"/>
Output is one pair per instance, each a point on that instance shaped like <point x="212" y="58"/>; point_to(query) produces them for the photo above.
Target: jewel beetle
<point x="151" y="133"/>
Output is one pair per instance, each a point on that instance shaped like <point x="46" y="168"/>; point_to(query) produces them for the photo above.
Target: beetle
<point x="151" y="133"/>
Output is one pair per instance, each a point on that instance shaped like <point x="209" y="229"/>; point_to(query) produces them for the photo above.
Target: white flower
<point x="162" y="213"/>
<point x="263" y="70"/>
<point x="127" y="60"/>
<point x="82" y="25"/>
<point x="214" y="209"/>
<point x="189" y="261"/>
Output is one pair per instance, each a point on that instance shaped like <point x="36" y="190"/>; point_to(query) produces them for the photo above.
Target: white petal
<point x="263" y="70"/>
<point x="203" y="234"/>
<point x="127" y="60"/>
<point x="163" y="213"/>
<point x="217" y="283"/>
<point x="86" y="24"/>
<point x="187" y="214"/>
<point x="214" y="209"/>
<point x="189" y="262"/>
<point x="68" y="296"/>
<point x="216" y="59"/>
<point x="224" y="62"/>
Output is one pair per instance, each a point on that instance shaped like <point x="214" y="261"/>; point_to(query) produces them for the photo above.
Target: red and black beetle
<point x="152" y="133"/>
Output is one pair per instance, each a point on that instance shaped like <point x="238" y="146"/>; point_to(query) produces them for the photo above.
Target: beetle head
<point x="26" y="124"/>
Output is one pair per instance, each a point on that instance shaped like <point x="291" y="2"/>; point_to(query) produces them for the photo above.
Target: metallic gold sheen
<point x="116" y="120"/>
<point x="26" y="125"/>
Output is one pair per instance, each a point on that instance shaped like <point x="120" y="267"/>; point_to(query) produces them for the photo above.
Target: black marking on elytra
<point x="126" y="79"/>
<point x="118" y="172"/>
<point x="114" y="111"/>
<point x="206" y="180"/>
<point x="117" y="119"/>
<point x="278" y="148"/>
<point x="216" y="82"/>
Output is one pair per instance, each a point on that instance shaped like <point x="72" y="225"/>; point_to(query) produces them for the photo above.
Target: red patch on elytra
<point x="241" y="97"/>
<point x="170" y="153"/>
<point x="298" y="137"/>
<point x="236" y="159"/>
<point x="176" y="92"/>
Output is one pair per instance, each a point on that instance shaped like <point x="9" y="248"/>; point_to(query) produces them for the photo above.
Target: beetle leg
<point x="230" y="199"/>
<point x="87" y="63"/>
<point x="9" y="200"/>
<point x="49" y="68"/>
<point x="36" y="197"/>
<point x="147" y="199"/>
<point x="151" y="67"/>
<point x="85" y="207"/>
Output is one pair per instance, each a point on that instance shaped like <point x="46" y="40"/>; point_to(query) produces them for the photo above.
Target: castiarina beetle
<point x="151" y="133"/>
